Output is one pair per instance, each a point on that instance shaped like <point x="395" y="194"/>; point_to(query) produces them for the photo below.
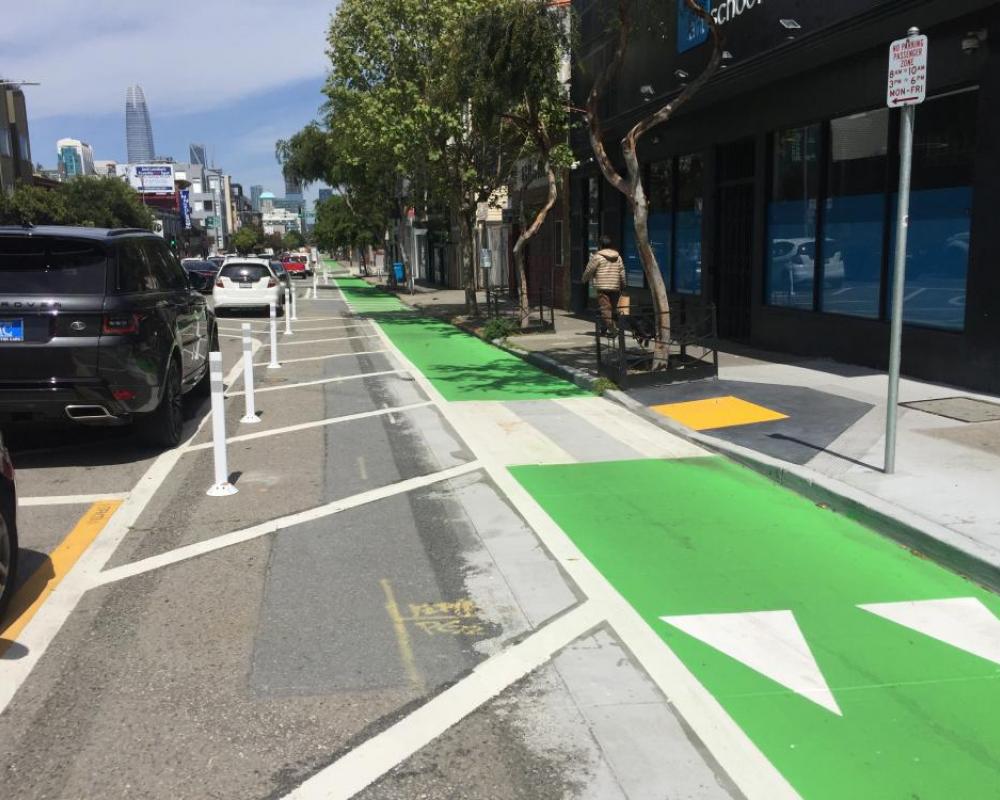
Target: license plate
<point x="11" y="330"/>
<point x="246" y="285"/>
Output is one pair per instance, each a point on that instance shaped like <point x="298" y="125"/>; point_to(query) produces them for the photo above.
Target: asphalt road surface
<point x="446" y="574"/>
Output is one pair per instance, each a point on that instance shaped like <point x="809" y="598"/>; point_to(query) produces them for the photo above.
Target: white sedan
<point x="247" y="283"/>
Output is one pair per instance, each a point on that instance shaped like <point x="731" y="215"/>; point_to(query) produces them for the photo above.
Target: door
<point x="734" y="239"/>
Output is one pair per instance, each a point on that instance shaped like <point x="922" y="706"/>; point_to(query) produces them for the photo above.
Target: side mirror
<point x="196" y="281"/>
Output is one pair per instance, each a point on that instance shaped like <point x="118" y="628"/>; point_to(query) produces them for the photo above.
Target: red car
<point x="295" y="269"/>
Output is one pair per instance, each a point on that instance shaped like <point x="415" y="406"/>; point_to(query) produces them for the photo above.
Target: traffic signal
<point x="173" y="242"/>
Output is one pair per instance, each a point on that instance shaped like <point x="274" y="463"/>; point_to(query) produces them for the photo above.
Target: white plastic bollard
<point x="288" y="314"/>
<point x="250" y="416"/>
<point x="274" y="338"/>
<point x="222" y="486"/>
<point x="315" y="286"/>
<point x="326" y="278"/>
<point x="295" y="305"/>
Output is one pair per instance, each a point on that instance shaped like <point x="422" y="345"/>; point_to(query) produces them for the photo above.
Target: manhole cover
<point x="964" y="409"/>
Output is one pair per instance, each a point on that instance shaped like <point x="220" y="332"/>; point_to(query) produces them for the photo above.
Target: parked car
<point x="8" y="528"/>
<point x="296" y="269"/>
<point x="248" y="283"/>
<point x="217" y="260"/>
<point x="102" y="327"/>
<point x="204" y="268"/>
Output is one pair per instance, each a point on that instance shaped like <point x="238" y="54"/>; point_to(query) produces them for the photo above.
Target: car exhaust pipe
<point x="84" y="413"/>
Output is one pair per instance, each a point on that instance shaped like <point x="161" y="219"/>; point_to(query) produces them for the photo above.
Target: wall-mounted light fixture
<point x="973" y="40"/>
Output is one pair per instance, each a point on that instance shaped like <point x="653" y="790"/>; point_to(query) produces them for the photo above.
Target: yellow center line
<point x="43" y="581"/>
<point x="402" y="638"/>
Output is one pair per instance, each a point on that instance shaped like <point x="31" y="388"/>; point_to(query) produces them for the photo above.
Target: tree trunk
<point x="401" y="245"/>
<point x="661" y="301"/>
<point x="466" y="227"/>
<point x="526" y="234"/>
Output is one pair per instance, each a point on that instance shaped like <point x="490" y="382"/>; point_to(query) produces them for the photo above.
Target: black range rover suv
<point x="102" y="327"/>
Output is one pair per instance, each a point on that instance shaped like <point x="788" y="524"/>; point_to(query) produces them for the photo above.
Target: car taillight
<point x="123" y="394"/>
<point x="120" y="324"/>
<point x="220" y="284"/>
<point x="271" y="283"/>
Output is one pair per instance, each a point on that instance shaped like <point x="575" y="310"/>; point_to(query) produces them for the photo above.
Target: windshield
<point x="40" y="265"/>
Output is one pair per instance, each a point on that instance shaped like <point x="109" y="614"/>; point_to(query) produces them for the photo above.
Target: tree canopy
<point x="416" y="119"/>
<point x="89" y="201"/>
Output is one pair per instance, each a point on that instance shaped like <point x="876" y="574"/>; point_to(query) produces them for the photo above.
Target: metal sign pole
<point x="899" y="283"/>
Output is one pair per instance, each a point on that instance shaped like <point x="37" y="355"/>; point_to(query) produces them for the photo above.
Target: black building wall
<point x="835" y="65"/>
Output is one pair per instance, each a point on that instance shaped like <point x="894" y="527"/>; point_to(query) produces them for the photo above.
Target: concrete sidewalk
<point x="820" y="425"/>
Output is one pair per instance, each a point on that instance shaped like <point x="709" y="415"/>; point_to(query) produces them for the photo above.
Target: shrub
<point x="499" y="328"/>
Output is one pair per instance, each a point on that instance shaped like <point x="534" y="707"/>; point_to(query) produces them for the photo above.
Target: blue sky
<point x="234" y="74"/>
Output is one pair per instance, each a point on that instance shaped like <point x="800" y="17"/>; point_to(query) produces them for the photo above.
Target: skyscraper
<point x="75" y="158"/>
<point x="138" y="131"/>
<point x="325" y="194"/>
<point x="293" y="188"/>
<point x="255" y="192"/>
<point x="198" y="155"/>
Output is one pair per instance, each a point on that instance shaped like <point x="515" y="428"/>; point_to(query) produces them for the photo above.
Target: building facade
<point x="15" y="145"/>
<point x="138" y="129"/>
<point x="773" y="193"/>
<point x="74" y="158"/>
<point x="255" y="192"/>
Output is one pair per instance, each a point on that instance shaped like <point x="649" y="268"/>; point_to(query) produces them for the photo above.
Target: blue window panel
<point x="791" y="251"/>
<point x="852" y="255"/>
<point x="661" y="238"/>
<point x="688" y="266"/>
<point x="937" y="256"/>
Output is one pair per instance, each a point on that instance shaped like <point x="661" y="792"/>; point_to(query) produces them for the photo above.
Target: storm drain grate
<point x="963" y="409"/>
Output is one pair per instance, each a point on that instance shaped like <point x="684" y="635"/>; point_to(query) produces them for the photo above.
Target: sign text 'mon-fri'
<point x="907" y="82"/>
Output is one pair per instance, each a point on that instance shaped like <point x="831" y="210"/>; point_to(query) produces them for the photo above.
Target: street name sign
<point x="907" y="84"/>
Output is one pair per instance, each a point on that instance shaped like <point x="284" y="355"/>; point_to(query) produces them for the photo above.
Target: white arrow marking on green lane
<point x="962" y="622"/>
<point x="769" y="642"/>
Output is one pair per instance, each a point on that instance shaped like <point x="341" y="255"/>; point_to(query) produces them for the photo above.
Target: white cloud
<point x="187" y="55"/>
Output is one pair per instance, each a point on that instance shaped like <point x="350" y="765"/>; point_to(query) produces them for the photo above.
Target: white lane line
<point x="746" y="765"/>
<point x="45" y="625"/>
<point x="366" y="763"/>
<point x="276" y="525"/>
<point x="323" y="358"/>
<point x="914" y="293"/>
<point x="304" y="426"/>
<point x="298" y="328"/>
<point x="69" y="499"/>
<point x="321" y="382"/>
<point x="286" y="343"/>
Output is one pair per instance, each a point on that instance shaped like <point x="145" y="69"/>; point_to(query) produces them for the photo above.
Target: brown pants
<point x="607" y="302"/>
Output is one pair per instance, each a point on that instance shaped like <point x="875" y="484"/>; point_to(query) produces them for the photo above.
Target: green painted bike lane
<point x="919" y="718"/>
<point x="461" y="366"/>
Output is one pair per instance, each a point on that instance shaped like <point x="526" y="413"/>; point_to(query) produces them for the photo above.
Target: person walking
<point x="607" y="270"/>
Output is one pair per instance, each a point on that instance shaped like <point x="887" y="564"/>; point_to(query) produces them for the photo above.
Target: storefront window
<point x="791" y="218"/>
<point x="593" y="214"/>
<point x="940" y="210"/>
<point x="688" y="225"/>
<point x="854" y="214"/>
<point x="661" y="218"/>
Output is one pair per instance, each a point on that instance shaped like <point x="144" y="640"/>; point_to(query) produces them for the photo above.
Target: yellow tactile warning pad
<point x="718" y="412"/>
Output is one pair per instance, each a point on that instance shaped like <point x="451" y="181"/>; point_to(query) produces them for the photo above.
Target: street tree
<point x="514" y="73"/>
<point x="293" y="240"/>
<point x="630" y="184"/>
<point x="88" y="201"/>
<point x="245" y="240"/>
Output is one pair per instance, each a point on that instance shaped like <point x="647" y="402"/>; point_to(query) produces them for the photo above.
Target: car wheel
<point x="8" y="560"/>
<point x="165" y="426"/>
